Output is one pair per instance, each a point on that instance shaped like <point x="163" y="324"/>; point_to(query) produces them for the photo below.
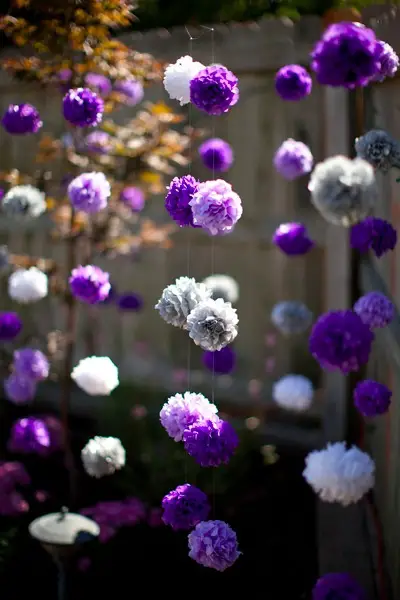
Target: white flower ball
<point x="293" y="392"/>
<point x="28" y="285"/>
<point x="177" y="78"/>
<point x="24" y="200"/>
<point x="103" y="456"/>
<point x="340" y="475"/>
<point x="223" y="286"/>
<point x="96" y="375"/>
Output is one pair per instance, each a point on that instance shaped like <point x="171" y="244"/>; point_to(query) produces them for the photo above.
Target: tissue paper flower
<point x="129" y="302"/>
<point x="213" y="544"/>
<point x="21" y="119"/>
<point x="24" y="200"/>
<point x="90" y="284"/>
<point x="131" y="89"/>
<point x="293" y="159"/>
<point x="96" y="375"/>
<point x="221" y="361"/>
<point x="31" y="364"/>
<point x="185" y="507"/>
<point x="36" y="435"/>
<point x="373" y="234"/>
<point x="181" y="411"/>
<point x="216" y="155"/>
<point x="337" y="585"/>
<point x="177" y="78"/>
<point x="99" y="83"/>
<point x="379" y="149"/>
<point x="293" y="82"/>
<point x="103" y="456"/>
<point x="210" y="442"/>
<point x="10" y="326"/>
<point x="389" y="61"/>
<point x="212" y="324"/>
<point x="19" y="390"/>
<point x="371" y="398"/>
<point x="82" y="107"/>
<point x="133" y="197"/>
<point x="375" y="310"/>
<point x="214" y="90"/>
<point x="216" y="207"/>
<point x="98" y="142"/>
<point x="293" y="392"/>
<point x="89" y="192"/>
<point x="292" y="239"/>
<point x="179" y="299"/>
<point x="177" y="200"/>
<point x="223" y="286"/>
<point x="291" y="318"/>
<point x="26" y="286"/>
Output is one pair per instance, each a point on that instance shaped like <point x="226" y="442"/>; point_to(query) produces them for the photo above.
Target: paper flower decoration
<point x="185" y="507"/>
<point x="213" y="544"/>
<point x="223" y="286"/>
<point x="96" y="375"/>
<point x="179" y="299"/>
<point x="133" y="197"/>
<point x="82" y="107"/>
<point x="291" y="318"/>
<point x="212" y="324"/>
<point x="89" y="284"/>
<point x="35" y="435"/>
<point x="24" y="200"/>
<point x="10" y="326"/>
<point x="89" y="192"/>
<point x="103" y="456"/>
<point x="216" y="155"/>
<point x="177" y="200"/>
<point x="379" y="149"/>
<point x="292" y="239"/>
<point x="344" y="191"/>
<point x="216" y="207"/>
<point x="293" y="159"/>
<point x="371" y="398"/>
<point x="98" y="142"/>
<point x="181" y="411"/>
<point x="338" y="585"/>
<point x="131" y="89"/>
<point x="21" y="119"/>
<point x="19" y="390"/>
<point x="375" y="310"/>
<point x="389" y="61"/>
<point x="293" y="82"/>
<point x="211" y="443"/>
<point x="98" y="83"/>
<point x="220" y="362"/>
<point x="31" y="364"/>
<point x="373" y="234"/>
<point x="340" y="475"/>
<point x="340" y="340"/>
<point x="26" y="286"/>
<point x="293" y="392"/>
<point x="214" y="90"/>
<point x="130" y="302"/>
<point x="177" y="78"/>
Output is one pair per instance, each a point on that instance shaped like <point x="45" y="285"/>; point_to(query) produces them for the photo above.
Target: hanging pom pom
<point x="212" y="324"/>
<point x="216" y="207"/>
<point x="373" y="234"/>
<point x="24" y="201"/>
<point x="292" y="239"/>
<point x="340" y="475"/>
<point x="185" y="507"/>
<point x="26" y="286"/>
<point x="389" y="61"/>
<point x="177" y="78"/>
<point x="211" y="443"/>
<point x="216" y="155"/>
<point x="293" y="392"/>
<point x="293" y="159"/>
<point x="338" y="585"/>
<point x="371" y="398"/>
<point x="181" y="411"/>
<point x="375" y="310"/>
<point x="220" y="362"/>
<point x="96" y="375"/>
<point x="291" y="318"/>
<point x="179" y="299"/>
<point x="293" y="83"/>
<point x="214" y="90"/>
<point x="213" y="544"/>
<point x="82" y="107"/>
<point x="177" y="200"/>
<point x="223" y="286"/>
<point x="344" y="191"/>
<point x="379" y="149"/>
<point x="21" y="119"/>
<point x="103" y="456"/>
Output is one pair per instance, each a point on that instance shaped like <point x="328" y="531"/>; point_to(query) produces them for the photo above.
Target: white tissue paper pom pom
<point x="181" y="411"/>
<point x="96" y="375"/>
<point x="212" y="325"/>
<point x="291" y="317"/>
<point x="340" y="475"/>
<point x="103" y="456"/>
<point x="28" y="285"/>
<point x="293" y="392"/>
<point x="177" y="77"/>
<point x="24" y="200"/>
<point x="179" y="299"/>
<point x="223" y="286"/>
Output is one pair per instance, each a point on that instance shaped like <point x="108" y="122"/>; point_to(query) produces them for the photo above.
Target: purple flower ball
<point x="211" y="442"/>
<point x="33" y="435"/>
<point x="177" y="201"/>
<point x="346" y="56"/>
<point x="388" y="59"/>
<point x="185" y="507"/>
<point x="2" y="192"/>
<point x="214" y="90"/>
<point x="340" y="586"/>
<point x="216" y="207"/>
<point x="133" y="197"/>
<point x="216" y="154"/>
<point x="10" y="326"/>
<point x="89" y="192"/>
<point x="90" y="284"/>
<point x="21" y="119"/>
<point x="371" y="398"/>
<point x="130" y="302"/>
<point x="31" y="364"/>
<point x="340" y="340"/>
<point x="131" y="89"/>
<point x="220" y="362"/>
<point x="293" y="159"/>
<point x="99" y="83"/>
<point x="292" y="239"/>
<point x="375" y="310"/>
<point x="213" y="544"/>
<point x="293" y="82"/>
<point x="19" y="390"/>
<point x="82" y="107"/>
<point x="98" y="142"/>
<point x="373" y="234"/>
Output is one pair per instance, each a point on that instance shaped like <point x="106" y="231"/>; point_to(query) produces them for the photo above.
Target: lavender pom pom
<point x="216" y="154"/>
<point x="211" y="443"/>
<point x="214" y="90"/>
<point x="18" y="389"/>
<point x="131" y="89"/>
<point x="179" y="299"/>
<point x="41" y="436"/>
<point x="185" y="507"/>
<point x="216" y="207"/>
<point x="373" y="234"/>
<point x="179" y="412"/>
<point x="213" y="544"/>
<point x="32" y="364"/>
<point x="292" y="239"/>
<point x="344" y="191"/>
<point x="375" y="310"/>
<point x="389" y="61"/>
<point x="379" y="149"/>
<point x="340" y="586"/>
<point x="293" y="82"/>
<point x="89" y="192"/>
<point x="293" y="159"/>
<point x="212" y="324"/>
<point x="340" y="340"/>
<point x="178" y="198"/>
<point x="99" y="83"/>
<point x="371" y="398"/>
<point x="82" y="107"/>
<point x="291" y="318"/>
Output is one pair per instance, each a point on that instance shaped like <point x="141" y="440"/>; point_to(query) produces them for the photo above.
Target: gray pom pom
<point x="212" y="325"/>
<point x="103" y="456"/>
<point x="179" y="299"/>
<point x="24" y="200"/>
<point x="379" y="149"/>
<point x="291" y="318"/>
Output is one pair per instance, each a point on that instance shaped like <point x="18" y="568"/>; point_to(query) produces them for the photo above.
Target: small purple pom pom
<point x="220" y="362"/>
<point x="371" y="398"/>
<point x="216" y="154"/>
<point x="130" y="302"/>
<point x="10" y="326"/>
<point x="373" y="234"/>
<point x="389" y="61"/>
<point x="293" y="82"/>
<point x="35" y="435"/>
<point x="375" y="309"/>
<point x="32" y="364"/>
<point x="292" y="239"/>
<point x="133" y="197"/>
<point x="21" y="119"/>
<point x="216" y="207"/>
<point x="89" y="284"/>
<point x="99" y="83"/>
<point x="82" y="107"/>
<point x="214" y="90"/>
<point x="131" y="89"/>
<point x="213" y="544"/>
<point x="185" y="507"/>
<point x="337" y="586"/>
<point x="210" y="443"/>
<point x="178" y="198"/>
<point x="19" y="390"/>
<point x="293" y="159"/>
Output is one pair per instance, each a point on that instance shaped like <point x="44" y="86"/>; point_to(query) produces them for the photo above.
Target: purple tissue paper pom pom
<point x="130" y="302"/>
<point x="214" y="90"/>
<point x="35" y="435"/>
<point x="216" y="207"/>
<point x="293" y="82"/>
<point x="346" y="56"/>
<point x="133" y="197"/>
<point x="178" y="198"/>
<point x="292" y="239"/>
<point x="98" y="142"/>
<point x="293" y="159"/>
<point x="82" y="107"/>
<point x="375" y="309"/>
<point x="19" y="390"/>
<point x="21" y="119"/>
<point x="216" y="154"/>
<point x="10" y="326"/>
<point x="340" y="586"/>
<point x="340" y="340"/>
<point x="185" y="507"/>
<point x="131" y="89"/>
<point x="388" y="59"/>
<point x="90" y="284"/>
<point x="220" y="362"/>
<point x="89" y="192"/>
<point x="213" y="544"/>
<point x="371" y="398"/>
<point x="211" y="443"/>
<point x="373" y="234"/>
<point x="31" y="364"/>
<point x="100" y="83"/>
